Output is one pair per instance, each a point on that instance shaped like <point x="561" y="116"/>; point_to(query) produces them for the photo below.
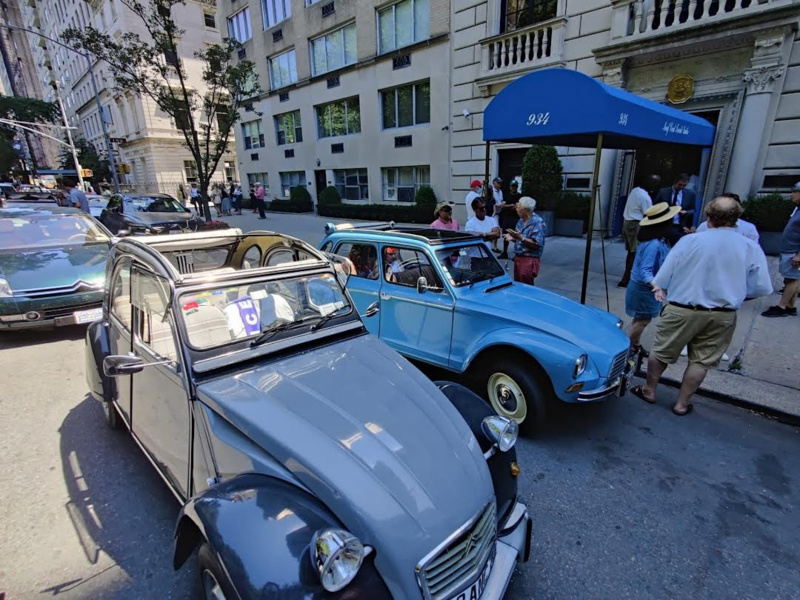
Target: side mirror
<point x="422" y="285"/>
<point x="114" y="366"/>
<point x="372" y="310"/>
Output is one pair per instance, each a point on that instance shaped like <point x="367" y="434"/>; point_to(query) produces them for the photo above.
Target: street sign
<point x="118" y="140"/>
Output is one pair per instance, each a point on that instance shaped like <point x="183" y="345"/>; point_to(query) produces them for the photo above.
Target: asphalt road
<point x="629" y="501"/>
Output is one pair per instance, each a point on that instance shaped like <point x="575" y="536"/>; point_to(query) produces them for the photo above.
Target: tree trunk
<point x="204" y="201"/>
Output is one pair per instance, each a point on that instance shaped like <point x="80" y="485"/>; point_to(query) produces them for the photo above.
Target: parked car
<point x="444" y="299"/>
<point x="6" y="189"/>
<point x="311" y="460"/>
<point x="97" y="203"/>
<point x="24" y="199"/>
<point x="52" y="267"/>
<point x="147" y="214"/>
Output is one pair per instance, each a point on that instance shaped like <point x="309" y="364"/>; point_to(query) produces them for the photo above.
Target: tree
<point x="89" y="159"/>
<point x="18" y="108"/>
<point x="154" y="68"/>
<point x="542" y="176"/>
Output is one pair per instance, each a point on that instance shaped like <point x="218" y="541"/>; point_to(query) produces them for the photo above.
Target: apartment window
<point x="334" y="50"/>
<point x="288" y="128"/>
<point x="342" y="117"/>
<point x="254" y="178"/>
<point x="252" y="136"/>
<point x="400" y="184"/>
<point x="516" y="14"/>
<point x="351" y="184"/>
<point x="182" y="119"/>
<point x="223" y="116"/>
<point x="239" y="26"/>
<point x="290" y="179"/>
<point x="210" y="20"/>
<point x="190" y="170"/>
<point x="282" y="70"/>
<point x="171" y="58"/>
<point x="403" y="24"/>
<point x="275" y="11"/>
<point x="407" y="105"/>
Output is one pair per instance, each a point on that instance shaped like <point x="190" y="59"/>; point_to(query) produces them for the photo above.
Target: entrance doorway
<point x="320" y="181"/>
<point x="510" y="166"/>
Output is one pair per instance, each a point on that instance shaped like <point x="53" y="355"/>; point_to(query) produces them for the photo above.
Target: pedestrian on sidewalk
<point x="216" y="198"/>
<point x="484" y="227"/>
<point x="528" y="238"/>
<point x="194" y="196"/>
<point x="76" y="198"/>
<point x="640" y="303"/>
<point x="237" y="197"/>
<point x="789" y="262"/>
<point x="704" y="279"/>
<point x="679" y="195"/>
<point x="444" y="217"/>
<point x="226" y="201"/>
<point x="475" y="192"/>
<point x="508" y="214"/>
<point x="745" y="228"/>
<point x="639" y="200"/>
<point x="494" y="200"/>
<point x="259" y="199"/>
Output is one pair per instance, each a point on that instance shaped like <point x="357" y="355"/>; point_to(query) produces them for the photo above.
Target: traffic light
<point x="123" y="168"/>
<point x="86" y="173"/>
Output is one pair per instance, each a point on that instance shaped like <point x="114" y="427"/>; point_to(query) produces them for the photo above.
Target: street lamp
<point x="88" y="58"/>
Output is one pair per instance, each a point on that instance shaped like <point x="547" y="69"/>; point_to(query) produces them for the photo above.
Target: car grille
<point x="450" y="568"/>
<point x="79" y="286"/>
<point x="65" y="311"/>
<point x="618" y="365"/>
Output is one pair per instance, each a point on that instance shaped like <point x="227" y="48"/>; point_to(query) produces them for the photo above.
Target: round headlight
<point x="5" y="289"/>
<point x="501" y="431"/>
<point x="619" y="323"/>
<point x="337" y="556"/>
<point x="580" y="365"/>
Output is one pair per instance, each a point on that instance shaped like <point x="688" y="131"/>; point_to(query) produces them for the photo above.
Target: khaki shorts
<point x="630" y="229"/>
<point x="707" y="334"/>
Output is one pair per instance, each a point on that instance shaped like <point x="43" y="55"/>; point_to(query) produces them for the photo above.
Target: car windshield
<point x="152" y="204"/>
<point x="468" y="264"/>
<point x="31" y="230"/>
<point x="218" y="316"/>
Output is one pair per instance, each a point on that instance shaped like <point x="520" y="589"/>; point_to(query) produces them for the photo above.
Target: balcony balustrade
<point x="524" y="49"/>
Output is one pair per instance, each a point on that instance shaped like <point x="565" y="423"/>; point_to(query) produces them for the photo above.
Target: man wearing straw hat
<point x="704" y="279"/>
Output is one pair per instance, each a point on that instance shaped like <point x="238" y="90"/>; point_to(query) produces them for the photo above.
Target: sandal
<point x="638" y="391"/>
<point x="689" y="409"/>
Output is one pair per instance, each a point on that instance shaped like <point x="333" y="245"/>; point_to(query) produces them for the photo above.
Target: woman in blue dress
<point x="640" y="302"/>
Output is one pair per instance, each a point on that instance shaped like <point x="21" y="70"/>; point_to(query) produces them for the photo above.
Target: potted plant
<point x="572" y="214"/>
<point x="769" y="213"/>
<point x="542" y="180"/>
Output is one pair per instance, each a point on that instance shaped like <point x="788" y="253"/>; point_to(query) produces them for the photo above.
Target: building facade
<point x="734" y="62"/>
<point x="145" y="140"/>
<point x="355" y="95"/>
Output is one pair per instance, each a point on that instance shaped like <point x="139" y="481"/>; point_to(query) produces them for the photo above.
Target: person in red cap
<point x="475" y="192"/>
<point x="391" y="258"/>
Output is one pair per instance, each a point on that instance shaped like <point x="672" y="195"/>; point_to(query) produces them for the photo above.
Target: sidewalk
<point x="764" y="370"/>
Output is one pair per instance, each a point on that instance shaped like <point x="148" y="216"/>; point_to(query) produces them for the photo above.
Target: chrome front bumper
<point x="513" y="545"/>
<point x="617" y="388"/>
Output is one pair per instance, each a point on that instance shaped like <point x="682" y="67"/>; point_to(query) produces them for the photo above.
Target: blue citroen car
<point x="442" y="298"/>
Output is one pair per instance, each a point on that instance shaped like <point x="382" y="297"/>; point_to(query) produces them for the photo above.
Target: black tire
<point x="213" y="581"/>
<point x="514" y="388"/>
<point x="113" y="420"/>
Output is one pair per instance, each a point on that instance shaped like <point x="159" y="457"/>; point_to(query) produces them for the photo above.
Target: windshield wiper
<point x="481" y="277"/>
<point x="324" y="319"/>
<point x="272" y="331"/>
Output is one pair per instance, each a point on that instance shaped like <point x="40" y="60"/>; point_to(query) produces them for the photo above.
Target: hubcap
<point x="506" y="397"/>
<point x="211" y="587"/>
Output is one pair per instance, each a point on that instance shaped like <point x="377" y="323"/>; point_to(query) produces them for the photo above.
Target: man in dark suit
<point x="678" y="195"/>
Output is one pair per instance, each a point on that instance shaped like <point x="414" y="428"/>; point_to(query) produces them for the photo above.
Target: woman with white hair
<point x="528" y="238"/>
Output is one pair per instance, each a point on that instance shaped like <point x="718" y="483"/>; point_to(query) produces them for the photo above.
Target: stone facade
<point x="744" y="58"/>
<point x="152" y="146"/>
<point x="416" y="152"/>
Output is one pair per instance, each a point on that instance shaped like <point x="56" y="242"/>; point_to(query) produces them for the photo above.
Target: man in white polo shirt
<point x="484" y="227"/>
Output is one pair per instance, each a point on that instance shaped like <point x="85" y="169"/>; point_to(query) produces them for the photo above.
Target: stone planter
<point x="770" y="242"/>
<point x="549" y="217"/>
<point x="570" y="227"/>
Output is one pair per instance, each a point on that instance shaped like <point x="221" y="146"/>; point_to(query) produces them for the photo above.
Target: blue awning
<point x="562" y="107"/>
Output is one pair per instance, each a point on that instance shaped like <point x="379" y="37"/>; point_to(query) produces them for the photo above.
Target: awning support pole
<point x="590" y="228"/>
<point x="486" y="174"/>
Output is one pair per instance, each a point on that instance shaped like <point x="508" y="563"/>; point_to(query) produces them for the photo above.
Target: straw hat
<point x="659" y="213"/>
<point x="442" y="205"/>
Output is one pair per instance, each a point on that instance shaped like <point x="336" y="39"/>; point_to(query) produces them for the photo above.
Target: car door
<point x="120" y="319"/>
<point x="418" y="325"/>
<point x="161" y="419"/>
<point x="364" y="284"/>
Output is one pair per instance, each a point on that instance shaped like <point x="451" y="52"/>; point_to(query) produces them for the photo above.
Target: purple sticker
<point x="249" y="315"/>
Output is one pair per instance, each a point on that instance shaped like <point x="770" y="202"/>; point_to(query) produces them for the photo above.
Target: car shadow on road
<point x="119" y="507"/>
<point x="11" y="339"/>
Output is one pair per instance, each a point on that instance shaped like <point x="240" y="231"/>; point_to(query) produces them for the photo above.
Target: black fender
<point x="260" y="529"/>
<point x="97" y="348"/>
<point x="474" y="410"/>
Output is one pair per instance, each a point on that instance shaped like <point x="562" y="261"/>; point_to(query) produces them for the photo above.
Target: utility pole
<point x="69" y="135"/>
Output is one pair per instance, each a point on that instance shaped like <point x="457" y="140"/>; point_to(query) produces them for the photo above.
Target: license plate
<point x="175" y="231"/>
<point x="87" y="316"/>
<point x="475" y="591"/>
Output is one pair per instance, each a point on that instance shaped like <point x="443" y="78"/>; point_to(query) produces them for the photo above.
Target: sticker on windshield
<point x="249" y="315"/>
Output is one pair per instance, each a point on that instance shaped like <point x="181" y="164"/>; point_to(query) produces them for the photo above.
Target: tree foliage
<point x="542" y="176"/>
<point x="154" y="68"/>
<point x="89" y="159"/>
<point x="18" y="108"/>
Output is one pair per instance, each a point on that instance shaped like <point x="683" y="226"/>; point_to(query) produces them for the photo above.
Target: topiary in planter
<point x="542" y="176"/>
<point x="425" y="198"/>
<point x="329" y="196"/>
<point x="769" y="212"/>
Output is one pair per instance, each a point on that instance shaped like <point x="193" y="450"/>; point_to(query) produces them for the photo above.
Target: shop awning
<point x="562" y="107"/>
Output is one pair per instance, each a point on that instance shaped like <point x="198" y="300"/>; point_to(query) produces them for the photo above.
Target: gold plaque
<point x="680" y="89"/>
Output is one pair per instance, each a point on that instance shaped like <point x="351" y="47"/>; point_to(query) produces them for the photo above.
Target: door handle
<point x="385" y="296"/>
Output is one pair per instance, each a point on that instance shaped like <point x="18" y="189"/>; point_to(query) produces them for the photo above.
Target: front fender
<point x="97" y="348"/>
<point x="260" y="529"/>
